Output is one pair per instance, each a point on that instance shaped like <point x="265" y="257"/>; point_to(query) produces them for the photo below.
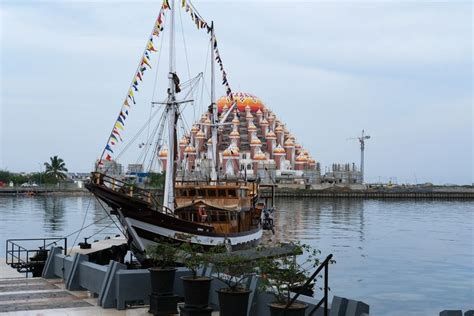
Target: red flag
<point x="108" y="157"/>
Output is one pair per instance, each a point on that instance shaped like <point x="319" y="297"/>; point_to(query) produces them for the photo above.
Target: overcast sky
<point x="400" y="70"/>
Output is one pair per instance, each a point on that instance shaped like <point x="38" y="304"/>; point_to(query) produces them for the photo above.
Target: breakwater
<point x="463" y="193"/>
<point x="373" y="194"/>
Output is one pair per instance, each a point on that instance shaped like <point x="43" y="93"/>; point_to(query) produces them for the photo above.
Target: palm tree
<point x="56" y="168"/>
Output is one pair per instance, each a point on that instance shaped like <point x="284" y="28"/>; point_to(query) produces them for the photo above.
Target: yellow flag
<point x="130" y="92"/>
<point x="119" y="126"/>
<point x="150" y="47"/>
<point x="146" y="61"/>
<point x="183" y="3"/>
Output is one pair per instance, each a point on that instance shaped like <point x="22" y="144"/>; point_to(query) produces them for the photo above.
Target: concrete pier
<point x="38" y="296"/>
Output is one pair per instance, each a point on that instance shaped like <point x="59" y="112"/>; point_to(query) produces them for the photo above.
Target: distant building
<point x="135" y="168"/>
<point x="110" y="167"/>
<point x="343" y="174"/>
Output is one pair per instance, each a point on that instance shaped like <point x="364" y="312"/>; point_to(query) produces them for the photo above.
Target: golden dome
<point x="243" y="100"/>
<point x="252" y="128"/>
<point x="249" y="116"/>
<point x="271" y="135"/>
<point x="289" y="143"/>
<point x="260" y="156"/>
<point x="264" y="122"/>
<point x="227" y="153"/>
<point x="209" y="141"/>
<point x="234" y="133"/>
<point x="278" y="150"/>
<point x="255" y="141"/>
<point x="163" y="153"/>
<point x="195" y="129"/>
<point x="190" y="150"/>
<point x="200" y="135"/>
<point x="297" y="146"/>
<point x="278" y="129"/>
<point x="183" y="140"/>
<point x="235" y="120"/>
<point x="259" y="112"/>
<point x="301" y="158"/>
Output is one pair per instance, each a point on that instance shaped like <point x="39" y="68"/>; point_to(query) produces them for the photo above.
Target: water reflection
<point x="400" y="257"/>
<point x="53" y="213"/>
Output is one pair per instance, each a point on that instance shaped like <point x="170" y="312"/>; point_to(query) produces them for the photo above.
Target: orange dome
<point x="260" y="156"/>
<point x="271" y="135"/>
<point x="242" y="100"/>
<point x="301" y="158"/>
<point x="183" y="140"/>
<point x="200" y="135"/>
<point x="227" y="153"/>
<point x="256" y="141"/>
<point x="278" y="150"/>
<point x="163" y="153"/>
<point x="289" y="143"/>
<point x="190" y="150"/>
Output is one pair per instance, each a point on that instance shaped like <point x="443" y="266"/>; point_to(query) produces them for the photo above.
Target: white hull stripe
<point x="174" y="234"/>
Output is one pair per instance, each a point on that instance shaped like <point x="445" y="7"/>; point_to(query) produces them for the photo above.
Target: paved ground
<point x="41" y="297"/>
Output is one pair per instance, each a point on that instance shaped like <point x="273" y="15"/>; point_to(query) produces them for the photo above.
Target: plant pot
<point x="296" y="309"/>
<point x="233" y="303"/>
<point x="196" y="291"/>
<point x="162" y="280"/>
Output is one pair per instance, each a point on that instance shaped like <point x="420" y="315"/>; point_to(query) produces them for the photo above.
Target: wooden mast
<point x="214" y="120"/>
<point x="169" y="198"/>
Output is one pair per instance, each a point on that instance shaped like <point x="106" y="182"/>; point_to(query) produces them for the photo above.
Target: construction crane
<point x="361" y="140"/>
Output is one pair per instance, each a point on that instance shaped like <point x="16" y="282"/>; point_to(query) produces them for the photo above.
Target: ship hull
<point x="144" y="225"/>
<point x="144" y="234"/>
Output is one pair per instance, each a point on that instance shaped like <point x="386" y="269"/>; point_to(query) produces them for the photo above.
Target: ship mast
<point x="214" y="119"/>
<point x="168" y="199"/>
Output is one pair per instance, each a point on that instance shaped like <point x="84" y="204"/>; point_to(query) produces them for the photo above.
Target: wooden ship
<point x="207" y="209"/>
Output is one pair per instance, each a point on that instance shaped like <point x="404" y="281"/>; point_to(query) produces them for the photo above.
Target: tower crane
<point x="361" y="140"/>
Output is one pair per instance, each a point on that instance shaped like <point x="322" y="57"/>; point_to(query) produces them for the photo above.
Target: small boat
<point x="207" y="209"/>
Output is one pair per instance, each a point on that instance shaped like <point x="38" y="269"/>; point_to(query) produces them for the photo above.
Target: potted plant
<point x="282" y="275"/>
<point x="234" y="271"/>
<point x="196" y="288"/>
<point x="163" y="255"/>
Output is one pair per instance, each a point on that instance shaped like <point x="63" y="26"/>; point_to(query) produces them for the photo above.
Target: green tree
<point x="156" y="180"/>
<point x="56" y="168"/>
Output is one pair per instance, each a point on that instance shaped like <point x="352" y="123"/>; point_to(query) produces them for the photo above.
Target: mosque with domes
<point x="252" y="143"/>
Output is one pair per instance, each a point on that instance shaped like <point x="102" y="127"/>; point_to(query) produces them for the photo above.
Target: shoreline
<point x="441" y="193"/>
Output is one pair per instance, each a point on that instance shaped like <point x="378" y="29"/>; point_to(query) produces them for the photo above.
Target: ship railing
<point x="324" y="299"/>
<point x="25" y="258"/>
<point x="130" y="190"/>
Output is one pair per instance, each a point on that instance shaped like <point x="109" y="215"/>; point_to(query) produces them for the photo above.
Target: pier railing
<point x="324" y="299"/>
<point x="29" y="255"/>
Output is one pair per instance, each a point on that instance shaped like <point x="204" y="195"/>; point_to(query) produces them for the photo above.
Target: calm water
<point x="400" y="257"/>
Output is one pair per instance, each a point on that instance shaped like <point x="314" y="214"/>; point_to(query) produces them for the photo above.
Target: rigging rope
<point x="83" y="222"/>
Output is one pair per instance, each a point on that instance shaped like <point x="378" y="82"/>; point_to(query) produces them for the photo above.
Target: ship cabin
<point x="228" y="208"/>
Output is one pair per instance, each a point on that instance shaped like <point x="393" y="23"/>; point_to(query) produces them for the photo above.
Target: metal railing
<point x="324" y="300"/>
<point x="24" y="259"/>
